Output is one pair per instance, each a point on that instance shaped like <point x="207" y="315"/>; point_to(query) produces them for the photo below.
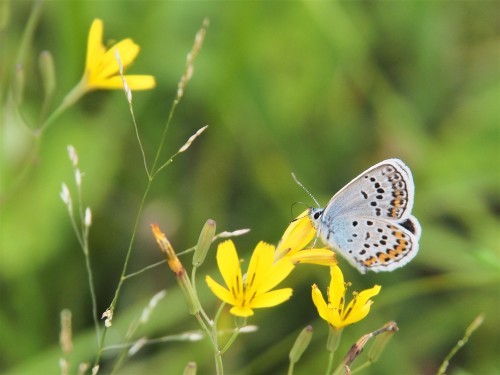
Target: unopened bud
<point x="190" y="369"/>
<point x="78" y="177"/>
<point x="192" y="138"/>
<point x="301" y="344"/>
<point x="66" y="197"/>
<point x="82" y="368"/>
<point x="381" y="341"/>
<point x="65" y="337"/>
<point x="73" y="156"/>
<point x="88" y="217"/>
<point x="108" y="316"/>
<point x="47" y="71"/>
<point x="204" y="241"/>
<point x="137" y="346"/>
<point x="180" y="272"/>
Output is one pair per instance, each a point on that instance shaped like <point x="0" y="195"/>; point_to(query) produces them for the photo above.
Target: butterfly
<point x="369" y="221"/>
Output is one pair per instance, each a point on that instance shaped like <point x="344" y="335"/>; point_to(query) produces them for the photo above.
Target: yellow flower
<point x="297" y="236"/>
<point x="101" y="68"/>
<point x="253" y="290"/>
<point x="335" y="312"/>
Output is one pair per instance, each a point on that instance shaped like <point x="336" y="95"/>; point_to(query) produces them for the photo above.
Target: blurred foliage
<point x="322" y="89"/>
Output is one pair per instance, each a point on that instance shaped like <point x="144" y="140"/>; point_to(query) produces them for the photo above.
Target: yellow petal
<point x="140" y="82"/>
<point x="320" y="302"/>
<point x="275" y="275"/>
<point x="241" y="311"/>
<point x="95" y="49"/>
<point x="359" y="307"/>
<point x="272" y="298"/>
<point x="134" y="82"/>
<point x="326" y="312"/>
<point x="298" y="234"/>
<point x="336" y="290"/>
<point x="221" y="292"/>
<point x="260" y="263"/>
<point x="127" y="50"/>
<point x="229" y="266"/>
<point x="322" y="257"/>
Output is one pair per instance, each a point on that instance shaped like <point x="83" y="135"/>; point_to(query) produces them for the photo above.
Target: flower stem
<point x="332" y="344"/>
<point x="29" y="31"/>
<point x="124" y="269"/>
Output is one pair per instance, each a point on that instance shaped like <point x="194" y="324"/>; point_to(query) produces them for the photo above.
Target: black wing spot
<point x="364" y="194"/>
<point x="354" y="223"/>
<point x="408" y="224"/>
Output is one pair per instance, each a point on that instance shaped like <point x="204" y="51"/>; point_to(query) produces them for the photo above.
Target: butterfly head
<point x="315" y="215"/>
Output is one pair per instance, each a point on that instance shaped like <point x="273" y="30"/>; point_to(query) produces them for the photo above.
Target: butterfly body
<point x="369" y="221"/>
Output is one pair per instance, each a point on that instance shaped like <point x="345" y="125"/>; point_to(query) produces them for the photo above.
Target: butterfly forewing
<point x="385" y="190"/>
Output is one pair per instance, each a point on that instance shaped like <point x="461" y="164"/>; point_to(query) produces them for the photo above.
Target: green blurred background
<point x="321" y="89"/>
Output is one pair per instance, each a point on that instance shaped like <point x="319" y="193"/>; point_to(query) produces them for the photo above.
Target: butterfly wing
<point x="385" y="190"/>
<point x="369" y="221"/>
<point x="372" y="243"/>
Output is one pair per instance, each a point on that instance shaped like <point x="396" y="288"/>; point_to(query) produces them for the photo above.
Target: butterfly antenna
<point x="304" y="188"/>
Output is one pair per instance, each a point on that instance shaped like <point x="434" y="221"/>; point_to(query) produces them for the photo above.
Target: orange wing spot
<point x="393" y="212"/>
<point x="393" y="254"/>
<point x="383" y="257"/>
<point x="401" y="248"/>
<point x="399" y="234"/>
<point x="370" y="261"/>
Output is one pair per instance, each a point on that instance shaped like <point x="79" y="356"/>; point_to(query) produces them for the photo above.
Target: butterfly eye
<point x="317" y="215"/>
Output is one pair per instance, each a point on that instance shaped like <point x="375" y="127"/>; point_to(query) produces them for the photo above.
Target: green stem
<point x="163" y="137"/>
<point x="29" y="31"/>
<point x="231" y="340"/>
<point x="142" y="270"/>
<point x="124" y="270"/>
<point x="332" y="344"/>
<point x="330" y="363"/>
<point x="92" y="294"/>
<point x="71" y="98"/>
